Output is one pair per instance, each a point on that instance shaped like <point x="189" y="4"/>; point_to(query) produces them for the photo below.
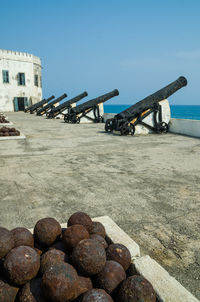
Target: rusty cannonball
<point x="8" y="293"/>
<point x="84" y="284"/>
<point x="89" y="257"/>
<point x="6" y="242"/>
<point x="96" y="295"/>
<point x="119" y="253"/>
<point x="32" y="292"/>
<point x="21" y="264"/>
<point x="111" y="276"/>
<point x="136" y="289"/>
<point x="81" y="218"/>
<point x="47" y="231"/>
<point x="22" y="236"/>
<point x="98" y="228"/>
<point x="99" y="239"/>
<point x="50" y="258"/>
<point x="60" y="283"/>
<point x="74" y="234"/>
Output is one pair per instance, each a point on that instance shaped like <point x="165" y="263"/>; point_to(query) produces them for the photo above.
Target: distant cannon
<point x="39" y="104"/>
<point x="51" y="105"/>
<point x="83" y="110"/>
<point x="125" y="121"/>
<point x="67" y="105"/>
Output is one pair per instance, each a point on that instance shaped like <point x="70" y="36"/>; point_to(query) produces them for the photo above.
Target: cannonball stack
<point x="3" y="120"/>
<point x="73" y="264"/>
<point x="5" y="131"/>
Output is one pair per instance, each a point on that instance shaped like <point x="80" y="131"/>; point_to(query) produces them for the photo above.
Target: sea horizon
<point x="177" y="111"/>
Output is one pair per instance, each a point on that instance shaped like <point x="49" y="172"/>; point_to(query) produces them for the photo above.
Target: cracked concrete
<point x="149" y="185"/>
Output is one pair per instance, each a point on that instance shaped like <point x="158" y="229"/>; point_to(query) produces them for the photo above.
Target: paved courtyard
<point x="149" y="185"/>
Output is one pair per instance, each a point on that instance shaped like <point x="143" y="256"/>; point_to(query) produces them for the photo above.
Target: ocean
<point x="191" y="112"/>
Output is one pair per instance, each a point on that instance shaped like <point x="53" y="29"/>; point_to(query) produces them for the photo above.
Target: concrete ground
<point x="149" y="185"/>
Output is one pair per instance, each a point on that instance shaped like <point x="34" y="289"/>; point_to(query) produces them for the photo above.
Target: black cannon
<point x="67" y="105"/>
<point x="125" y="121"/>
<point x="39" y="104"/>
<point x="50" y="105"/>
<point x="76" y="113"/>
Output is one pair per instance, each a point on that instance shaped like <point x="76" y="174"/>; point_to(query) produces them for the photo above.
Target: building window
<point x="36" y="80"/>
<point x="5" y="76"/>
<point x="40" y="81"/>
<point x="21" y="78"/>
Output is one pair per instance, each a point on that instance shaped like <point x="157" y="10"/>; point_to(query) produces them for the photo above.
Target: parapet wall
<point x="185" y="127"/>
<point x="19" y="56"/>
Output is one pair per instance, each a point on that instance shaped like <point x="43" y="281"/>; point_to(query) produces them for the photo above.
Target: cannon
<point x="65" y="106"/>
<point x="125" y="121"/>
<point x="50" y="105"/>
<point x="83" y="110"/>
<point x="39" y="104"/>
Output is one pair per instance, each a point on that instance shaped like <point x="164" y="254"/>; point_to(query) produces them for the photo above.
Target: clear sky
<point x="136" y="46"/>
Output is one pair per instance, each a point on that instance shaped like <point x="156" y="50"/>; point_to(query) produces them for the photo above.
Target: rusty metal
<point x="119" y="253"/>
<point x="137" y="289"/>
<point x="6" y="242"/>
<point x="111" y="276"/>
<point x="84" y="284"/>
<point x="5" y="131"/>
<point x="22" y="236"/>
<point x="98" y="228"/>
<point x="52" y="257"/>
<point x="60" y="283"/>
<point x="21" y="265"/>
<point x="81" y="218"/>
<point x="47" y="231"/>
<point x="32" y="292"/>
<point x="8" y="293"/>
<point x="99" y="239"/>
<point x="74" y="234"/>
<point x="96" y="295"/>
<point x="89" y="257"/>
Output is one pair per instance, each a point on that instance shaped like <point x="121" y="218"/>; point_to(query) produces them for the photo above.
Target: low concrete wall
<point x="185" y="127"/>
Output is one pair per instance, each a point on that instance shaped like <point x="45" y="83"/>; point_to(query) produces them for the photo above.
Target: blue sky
<point x="136" y="46"/>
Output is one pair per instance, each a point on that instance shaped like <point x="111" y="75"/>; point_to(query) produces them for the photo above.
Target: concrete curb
<point x="8" y="138"/>
<point x="6" y="124"/>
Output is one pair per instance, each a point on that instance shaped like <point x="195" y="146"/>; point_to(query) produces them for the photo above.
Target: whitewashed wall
<point x="16" y="62"/>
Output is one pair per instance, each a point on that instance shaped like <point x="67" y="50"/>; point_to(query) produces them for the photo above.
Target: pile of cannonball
<point x="5" y="131"/>
<point x="71" y="264"/>
<point x="3" y="120"/>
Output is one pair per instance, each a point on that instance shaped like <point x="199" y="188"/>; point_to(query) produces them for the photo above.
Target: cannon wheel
<point x="127" y="129"/>
<point x="164" y="127"/>
<point x="108" y="125"/>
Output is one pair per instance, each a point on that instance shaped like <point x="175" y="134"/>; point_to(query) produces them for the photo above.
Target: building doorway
<point x="20" y="104"/>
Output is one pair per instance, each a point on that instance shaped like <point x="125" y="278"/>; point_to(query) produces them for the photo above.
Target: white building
<point x="20" y="80"/>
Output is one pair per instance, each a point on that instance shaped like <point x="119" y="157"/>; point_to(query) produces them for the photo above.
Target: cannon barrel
<point x="49" y="105"/>
<point x="101" y="99"/>
<point x="65" y="105"/>
<point x="39" y="104"/>
<point x="156" y="97"/>
<point x="126" y="120"/>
